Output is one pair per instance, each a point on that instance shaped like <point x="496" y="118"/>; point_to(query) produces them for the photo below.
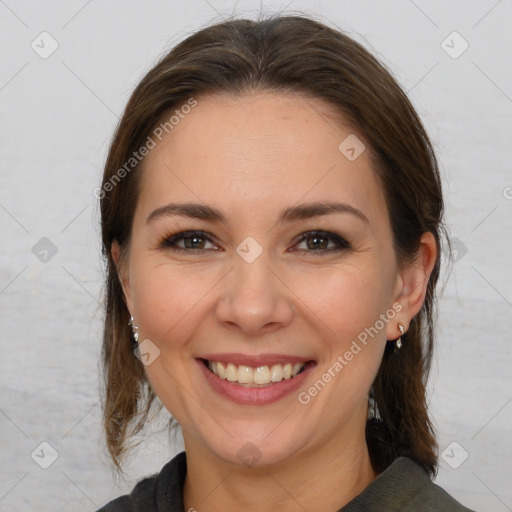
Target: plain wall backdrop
<point x="67" y="71"/>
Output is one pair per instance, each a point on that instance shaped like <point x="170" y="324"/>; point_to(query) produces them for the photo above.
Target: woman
<point x="272" y="219"/>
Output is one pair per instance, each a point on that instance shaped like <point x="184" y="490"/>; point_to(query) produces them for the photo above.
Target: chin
<point x="256" y="451"/>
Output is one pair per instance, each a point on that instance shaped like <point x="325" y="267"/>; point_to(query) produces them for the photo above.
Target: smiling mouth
<point x="255" y="377"/>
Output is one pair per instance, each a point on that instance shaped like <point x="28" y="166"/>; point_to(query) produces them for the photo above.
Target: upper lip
<point x="255" y="360"/>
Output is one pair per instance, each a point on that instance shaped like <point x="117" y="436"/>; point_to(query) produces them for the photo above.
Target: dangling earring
<point x="135" y="328"/>
<point x="398" y="343"/>
<point x="373" y="409"/>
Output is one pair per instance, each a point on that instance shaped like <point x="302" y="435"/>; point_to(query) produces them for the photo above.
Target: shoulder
<point x="121" y="504"/>
<point x="432" y="499"/>
<point x="404" y="487"/>
<point x="160" y="491"/>
<point x="425" y="495"/>
<point x="142" y="495"/>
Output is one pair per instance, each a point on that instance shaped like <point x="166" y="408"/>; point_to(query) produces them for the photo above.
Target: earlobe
<point x="413" y="281"/>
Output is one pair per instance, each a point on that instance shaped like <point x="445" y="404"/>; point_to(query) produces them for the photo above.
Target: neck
<point x="322" y="478"/>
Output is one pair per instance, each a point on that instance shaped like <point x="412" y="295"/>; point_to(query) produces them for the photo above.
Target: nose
<point x="253" y="299"/>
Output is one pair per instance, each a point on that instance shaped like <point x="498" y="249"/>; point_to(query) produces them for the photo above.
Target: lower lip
<point x="255" y="396"/>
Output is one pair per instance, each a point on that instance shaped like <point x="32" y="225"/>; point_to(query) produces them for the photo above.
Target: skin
<point x="251" y="157"/>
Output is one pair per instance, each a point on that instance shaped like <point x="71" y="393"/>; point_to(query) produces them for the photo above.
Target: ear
<point x="121" y="272"/>
<point x="412" y="284"/>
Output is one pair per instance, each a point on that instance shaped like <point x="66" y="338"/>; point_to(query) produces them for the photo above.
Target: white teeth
<point x="244" y="374"/>
<point x="296" y="368"/>
<point x="255" y="377"/>
<point x="231" y="372"/>
<point x="276" y="373"/>
<point x="261" y="375"/>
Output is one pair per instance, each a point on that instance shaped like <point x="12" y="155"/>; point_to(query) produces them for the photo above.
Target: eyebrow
<point x="291" y="214"/>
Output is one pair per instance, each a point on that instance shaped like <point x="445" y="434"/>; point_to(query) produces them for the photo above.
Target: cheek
<point x="349" y="301"/>
<point x="166" y="298"/>
<point x="169" y="302"/>
<point x="347" y="298"/>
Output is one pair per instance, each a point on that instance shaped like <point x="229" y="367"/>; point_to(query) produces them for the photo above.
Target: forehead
<point x="257" y="151"/>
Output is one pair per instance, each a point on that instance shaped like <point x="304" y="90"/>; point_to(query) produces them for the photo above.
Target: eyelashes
<point x="195" y="242"/>
<point x="316" y="236"/>
<point x="189" y="238"/>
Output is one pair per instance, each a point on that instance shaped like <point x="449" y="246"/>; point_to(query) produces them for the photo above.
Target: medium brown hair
<point x="300" y="55"/>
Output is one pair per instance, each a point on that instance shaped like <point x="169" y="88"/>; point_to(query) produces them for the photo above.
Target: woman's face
<point x="267" y="277"/>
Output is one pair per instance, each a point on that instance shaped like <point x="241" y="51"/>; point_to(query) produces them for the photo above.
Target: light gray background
<point x="57" y="116"/>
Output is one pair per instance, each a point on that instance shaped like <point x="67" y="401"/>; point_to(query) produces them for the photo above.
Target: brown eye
<point x="194" y="242"/>
<point x="189" y="241"/>
<point x="321" y="242"/>
<point x="317" y="242"/>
